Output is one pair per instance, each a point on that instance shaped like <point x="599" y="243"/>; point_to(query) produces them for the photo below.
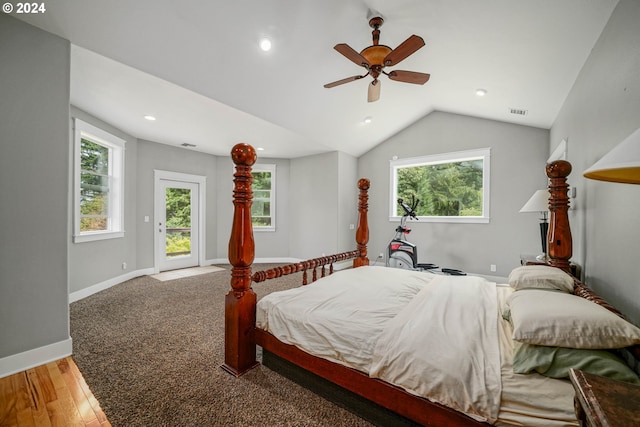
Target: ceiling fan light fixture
<point x="376" y="54"/>
<point x="373" y="94"/>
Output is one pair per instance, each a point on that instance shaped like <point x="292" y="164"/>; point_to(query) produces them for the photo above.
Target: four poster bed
<point x="437" y="350"/>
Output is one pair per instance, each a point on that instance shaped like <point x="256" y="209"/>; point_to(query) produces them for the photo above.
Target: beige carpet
<point x="151" y="353"/>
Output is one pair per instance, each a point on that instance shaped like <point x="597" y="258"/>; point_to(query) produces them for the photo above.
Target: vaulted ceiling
<point x="197" y="67"/>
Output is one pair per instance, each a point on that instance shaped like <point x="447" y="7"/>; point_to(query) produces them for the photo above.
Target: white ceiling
<point x="196" y="66"/>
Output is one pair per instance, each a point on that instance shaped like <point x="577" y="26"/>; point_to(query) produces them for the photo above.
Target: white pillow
<point x="540" y="277"/>
<point x="552" y="318"/>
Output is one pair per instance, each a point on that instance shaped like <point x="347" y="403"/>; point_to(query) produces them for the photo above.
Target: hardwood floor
<point x="53" y="395"/>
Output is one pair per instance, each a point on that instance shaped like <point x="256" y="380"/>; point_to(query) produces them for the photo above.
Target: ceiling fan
<point x="377" y="56"/>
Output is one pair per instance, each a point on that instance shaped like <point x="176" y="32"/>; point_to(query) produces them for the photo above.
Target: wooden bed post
<point x="362" y="233"/>
<point x="240" y="302"/>
<point x="559" y="241"/>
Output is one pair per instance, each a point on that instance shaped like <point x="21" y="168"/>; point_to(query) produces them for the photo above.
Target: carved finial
<point x="243" y="154"/>
<point x="558" y="169"/>
<point x="364" y="184"/>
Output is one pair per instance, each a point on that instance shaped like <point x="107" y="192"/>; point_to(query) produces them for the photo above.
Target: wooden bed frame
<point x="241" y="336"/>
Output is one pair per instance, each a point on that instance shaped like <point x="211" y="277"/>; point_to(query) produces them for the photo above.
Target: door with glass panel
<point x="177" y="224"/>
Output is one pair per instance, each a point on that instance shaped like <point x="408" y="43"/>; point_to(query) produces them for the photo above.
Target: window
<point x="99" y="184"/>
<point x="263" y="209"/>
<point x="451" y="187"/>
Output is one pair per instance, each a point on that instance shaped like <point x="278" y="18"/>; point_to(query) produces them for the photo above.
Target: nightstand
<point x="602" y="402"/>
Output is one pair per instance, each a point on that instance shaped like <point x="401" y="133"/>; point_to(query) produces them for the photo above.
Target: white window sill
<point x="91" y="237"/>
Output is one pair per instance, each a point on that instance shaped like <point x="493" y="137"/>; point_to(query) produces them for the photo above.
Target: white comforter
<point x="382" y="321"/>
<point x="444" y="346"/>
<point x="340" y="317"/>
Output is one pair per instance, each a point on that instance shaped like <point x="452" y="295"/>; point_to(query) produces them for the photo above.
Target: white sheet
<point x="444" y="346"/>
<point x="532" y="399"/>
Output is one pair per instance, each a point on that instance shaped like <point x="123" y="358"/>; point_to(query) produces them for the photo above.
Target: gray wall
<point x="518" y="156"/>
<point x="34" y="172"/>
<point x="601" y="110"/>
<point x="347" y="193"/>
<point x="314" y="186"/>
<point x="97" y="261"/>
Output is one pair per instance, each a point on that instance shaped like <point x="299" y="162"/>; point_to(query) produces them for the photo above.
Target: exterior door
<point x="177" y="224"/>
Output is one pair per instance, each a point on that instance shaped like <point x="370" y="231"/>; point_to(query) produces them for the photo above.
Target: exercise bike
<point x="404" y="254"/>
<point x="401" y="252"/>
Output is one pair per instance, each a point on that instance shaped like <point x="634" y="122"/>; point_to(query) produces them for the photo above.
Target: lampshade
<point x="622" y="164"/>
<point x="539" y="202"/>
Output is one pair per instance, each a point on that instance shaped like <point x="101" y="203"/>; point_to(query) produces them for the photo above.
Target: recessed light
<point x="150" y="118"/>
<point x="260" y="149"/>
<point x="367" y="120"/>
<point x="481" y="92"/>
<point x="265" y="44"/>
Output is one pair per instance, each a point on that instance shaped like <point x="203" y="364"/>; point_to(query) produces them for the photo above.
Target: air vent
<point x="518" y="111"/>
<point x="186" y="144"/>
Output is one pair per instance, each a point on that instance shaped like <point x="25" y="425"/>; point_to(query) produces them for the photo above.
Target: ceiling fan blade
<point x="352" y="55"/>
<point x="373" y="93"/>
<point x="409" y="77"/>
<point x="405" y="49"/>
<point x="343" y="81"/>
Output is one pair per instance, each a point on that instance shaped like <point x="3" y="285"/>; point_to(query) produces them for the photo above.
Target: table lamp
<point x="539" y="202"/>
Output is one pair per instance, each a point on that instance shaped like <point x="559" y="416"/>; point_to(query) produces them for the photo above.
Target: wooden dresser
<point x="602" y="402"/>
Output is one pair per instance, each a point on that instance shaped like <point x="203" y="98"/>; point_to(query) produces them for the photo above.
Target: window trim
<point x="431" y="159"/>
<point x="268" y="167"/>
<point x="116" y="148"/>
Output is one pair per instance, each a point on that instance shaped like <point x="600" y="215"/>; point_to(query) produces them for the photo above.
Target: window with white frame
<point x="451" y="187"/>
<point x="263" y="209"/>
<point x="98" y="183"/>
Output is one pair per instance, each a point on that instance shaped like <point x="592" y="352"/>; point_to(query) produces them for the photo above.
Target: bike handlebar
<point x="409" y="210"/>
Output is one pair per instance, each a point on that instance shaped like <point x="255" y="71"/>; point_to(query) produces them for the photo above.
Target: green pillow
<point x="555" y="362"/>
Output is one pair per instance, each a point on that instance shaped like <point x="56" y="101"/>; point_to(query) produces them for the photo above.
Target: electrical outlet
<point x="124" y="265"/>
<point x="493" y="268"/>
<point x="381" y="255"/>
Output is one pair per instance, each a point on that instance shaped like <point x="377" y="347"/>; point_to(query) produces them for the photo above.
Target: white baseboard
<point x="83" y="293"/>
<point x="218" y="261"/>
<point x="38" y="356"/>
<point x="276" y="260"/>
